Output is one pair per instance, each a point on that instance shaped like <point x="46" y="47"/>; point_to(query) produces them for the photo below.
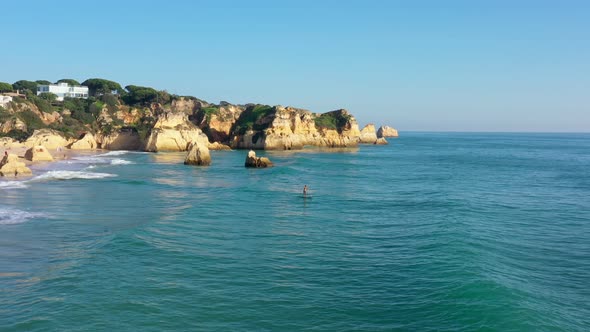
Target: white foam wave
<point x="120" y="162"/>
<point x="12" y="216"/>
<point x="12" y="185"/>
<point x="68" y="175"/>
<point x="113" y="153"/>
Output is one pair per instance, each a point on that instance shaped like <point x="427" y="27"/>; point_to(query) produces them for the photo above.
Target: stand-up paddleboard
<point x="308" y="196"/>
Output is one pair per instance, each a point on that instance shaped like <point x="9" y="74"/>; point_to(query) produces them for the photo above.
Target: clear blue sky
<point x="416" y="65"/>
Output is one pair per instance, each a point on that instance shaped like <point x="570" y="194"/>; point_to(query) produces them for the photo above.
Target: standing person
<point x="305" y="190"/>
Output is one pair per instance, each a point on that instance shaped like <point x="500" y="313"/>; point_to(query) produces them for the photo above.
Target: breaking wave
<point x="13" y="216"/>
<point x="68" y="175"/>
<point x="13" y="184"/>
<point x="121" y="162"/>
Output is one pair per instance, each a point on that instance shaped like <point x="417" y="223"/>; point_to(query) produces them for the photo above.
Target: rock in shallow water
<point x="198" y="155"/>
<point x="257" y="162"/>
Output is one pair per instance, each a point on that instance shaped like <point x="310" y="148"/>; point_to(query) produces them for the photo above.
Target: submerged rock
<point x="11" y="166"/>
<point x="38" y="153"/>
<point x="257" y="162"/>
<point x="198" y="155"/>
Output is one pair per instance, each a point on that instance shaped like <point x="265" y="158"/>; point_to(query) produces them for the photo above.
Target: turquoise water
<point x="453" y="232"/>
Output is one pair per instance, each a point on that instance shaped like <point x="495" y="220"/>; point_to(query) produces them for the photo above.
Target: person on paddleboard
<point x="305" y="190"/>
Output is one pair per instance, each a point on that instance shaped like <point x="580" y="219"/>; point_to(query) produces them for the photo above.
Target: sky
<point x="414" y="65"/>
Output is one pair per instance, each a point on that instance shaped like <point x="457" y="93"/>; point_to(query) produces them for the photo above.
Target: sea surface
<point x="434" y="232"/>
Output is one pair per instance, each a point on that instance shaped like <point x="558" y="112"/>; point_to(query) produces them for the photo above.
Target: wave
<point x="121" y="162"/>
<point x="113" y="153"/>
<point x="13" y="184"/>
<point x="13" y="216"/>
<point x="68" y="175"/>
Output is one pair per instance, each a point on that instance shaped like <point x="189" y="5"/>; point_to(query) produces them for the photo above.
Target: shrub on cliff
<point x="42" y="104"/>
<point x="250" y="118"/>
<point x="31" y="119"/>
<point x="4" y="114"/>
<point x="332" y="120"/>
<point x="16" y="134"/>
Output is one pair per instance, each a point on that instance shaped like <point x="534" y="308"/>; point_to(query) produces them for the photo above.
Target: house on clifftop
<point x="63" y="90"/>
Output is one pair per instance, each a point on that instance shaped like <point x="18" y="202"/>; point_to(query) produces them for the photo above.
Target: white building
<point x="64" y="90"/>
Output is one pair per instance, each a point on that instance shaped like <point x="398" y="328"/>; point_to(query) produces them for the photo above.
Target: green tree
<point x="25" y="86"/>
<point x="43" y="82"/>
<point x="5" y="87"/>
<point x="140" y="95"/>
<point x="99" y="86"/>
<point x="69" y="81"/>
<point x="50" y="97"/>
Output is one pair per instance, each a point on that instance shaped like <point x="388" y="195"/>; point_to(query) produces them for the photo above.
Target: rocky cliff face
<point x="124" y="139"/>
<point x="288" y="128"/>
<point x="174" y="132"/>
<point x="187" y="105"/>
<point x="49" y="138"/>
<point x="217" y="121"/>
<point x="25" y="109"/>
<point x="13" y="124"/>
<point x="86" y="142"/>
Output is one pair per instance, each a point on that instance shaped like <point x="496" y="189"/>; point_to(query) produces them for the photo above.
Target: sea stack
<point x="257" y="162"/>
<point x="38" y="153"/>
<point x="386" y="131"/>
<point x="198" y="155"/>
<point x="11" y="166"/>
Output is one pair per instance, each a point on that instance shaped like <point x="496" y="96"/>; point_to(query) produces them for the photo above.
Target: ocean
<point x="433" y="232"/>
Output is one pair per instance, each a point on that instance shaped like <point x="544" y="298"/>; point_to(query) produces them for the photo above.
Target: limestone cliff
<point x="123" y="139"/>
<point x="49" y="138"/>
<point x="13" y="124"/>
<point x="86" y="142"/>
<point x="174" y="132"/>
<point x="217" y="121"/>
<point x="288" y="128"/>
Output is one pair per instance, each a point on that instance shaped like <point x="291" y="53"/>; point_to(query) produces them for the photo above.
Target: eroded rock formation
<point x="386" y="131"/>
<point x="257" y="162"/>
<point x="174" y="132"/>
<point x="368" y="134"/>
<point x="38" y="153"/>
<point x="51" y="139"/>
<point x="198" y="155"/>
<point x="10" y="165"/>
<point x="86" y="142"/>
